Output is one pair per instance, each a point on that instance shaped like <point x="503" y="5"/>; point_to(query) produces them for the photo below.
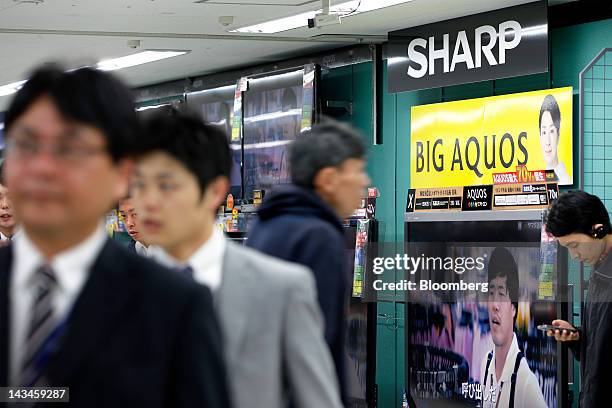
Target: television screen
<point x="448" y="341"/>
<point x="216" y="106"/>
<point x="272" y="119"/>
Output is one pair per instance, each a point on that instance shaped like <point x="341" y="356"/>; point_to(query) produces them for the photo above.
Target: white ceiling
<point x="78" y="32"/>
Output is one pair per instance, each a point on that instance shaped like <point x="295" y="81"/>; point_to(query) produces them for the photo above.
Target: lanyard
<point x="501" y="386"/>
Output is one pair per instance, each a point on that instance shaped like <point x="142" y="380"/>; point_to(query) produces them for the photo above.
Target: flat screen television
<point x="216" y="106"/>
<point x="273" y="107"/>
<point x="448" y="341"/>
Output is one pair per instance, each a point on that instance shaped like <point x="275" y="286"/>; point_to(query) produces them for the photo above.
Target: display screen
<point x="215" y="106"/>
<point x="356" y="339"/>
<point x="272" y="119"/>
<point x="448" y="342"/>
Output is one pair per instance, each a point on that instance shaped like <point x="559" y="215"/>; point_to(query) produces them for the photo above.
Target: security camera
<point x="133" y="43"/>
<point x="226" y="20"/>
<point x="322" y="20"/>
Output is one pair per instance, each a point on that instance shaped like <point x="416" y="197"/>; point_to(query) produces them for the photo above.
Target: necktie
<point x="186" y="271"/>
<point x="41" y="328"/>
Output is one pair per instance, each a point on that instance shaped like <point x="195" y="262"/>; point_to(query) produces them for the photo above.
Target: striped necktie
<point x="37" y="348"/>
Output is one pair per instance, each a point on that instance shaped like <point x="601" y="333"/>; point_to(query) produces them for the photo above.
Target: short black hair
<point x="201" y="147"/>
<point x="503" y="265"/>
<point x="328" y="144"/>
<point x="577" y="212"/>
<point x="85" y="95"/>
<point x="551" y="106"/>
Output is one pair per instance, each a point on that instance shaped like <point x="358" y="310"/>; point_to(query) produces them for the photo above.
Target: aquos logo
<point x="477" y="194"/>
<point x="490" y="44"/>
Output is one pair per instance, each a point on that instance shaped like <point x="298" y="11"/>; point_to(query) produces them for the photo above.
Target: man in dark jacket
<point x="581" y="223"/>
<point x="301" y="222"/>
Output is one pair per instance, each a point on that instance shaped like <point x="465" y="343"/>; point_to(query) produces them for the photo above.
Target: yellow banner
<point x="463" y="143"/>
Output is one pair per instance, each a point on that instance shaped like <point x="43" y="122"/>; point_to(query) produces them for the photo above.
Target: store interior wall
<point x="571" y="49"/>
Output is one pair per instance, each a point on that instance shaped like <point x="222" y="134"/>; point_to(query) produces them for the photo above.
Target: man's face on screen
<point x="501" y="312"/>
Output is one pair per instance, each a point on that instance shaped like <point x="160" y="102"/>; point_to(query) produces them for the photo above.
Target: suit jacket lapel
<point x="5" y="270"/>
<point x="97" y="308"/>
<point x="233" y="301"/>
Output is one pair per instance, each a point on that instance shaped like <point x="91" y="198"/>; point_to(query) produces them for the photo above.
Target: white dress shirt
<point x="562" y="175"/>
<point x="140" y="249"/>
<point x="4" y="237"/>
<point x="71" y="269"/>
<point x="206" y="261"/>
<point x="527" y="393"/>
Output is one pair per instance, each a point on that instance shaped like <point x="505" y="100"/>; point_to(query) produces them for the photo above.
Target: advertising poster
<point x="450" y="342"/>
<point x="463" y="143"/>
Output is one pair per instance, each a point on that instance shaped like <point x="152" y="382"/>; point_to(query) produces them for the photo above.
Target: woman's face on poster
<point x="549" y="140"/>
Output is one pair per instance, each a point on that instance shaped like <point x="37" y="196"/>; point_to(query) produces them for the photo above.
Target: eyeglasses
<point x="69" y="153"/>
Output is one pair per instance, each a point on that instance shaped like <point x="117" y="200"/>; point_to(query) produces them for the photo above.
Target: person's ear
<point x="216" y="192"/>
<point x="325" y="180"/>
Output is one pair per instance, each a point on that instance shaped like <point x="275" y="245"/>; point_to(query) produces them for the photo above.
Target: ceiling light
<point x="9" y="89"/>
<point x="144" y="108"/>
<point x="137" y="59"/>
<point x="345" y="9"/>
<point x="112" y="64"/>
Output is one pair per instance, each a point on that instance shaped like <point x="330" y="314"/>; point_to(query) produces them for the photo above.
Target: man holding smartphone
<point x="581" y="223"/>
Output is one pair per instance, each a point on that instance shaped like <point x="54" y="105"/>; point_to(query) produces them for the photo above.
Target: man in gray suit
<point x="271" y="323"/>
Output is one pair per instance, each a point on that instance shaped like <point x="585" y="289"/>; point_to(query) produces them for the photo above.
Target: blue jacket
<point x="296" y="225"/>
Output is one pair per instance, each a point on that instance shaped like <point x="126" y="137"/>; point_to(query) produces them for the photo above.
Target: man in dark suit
<point x="76" y="310"/>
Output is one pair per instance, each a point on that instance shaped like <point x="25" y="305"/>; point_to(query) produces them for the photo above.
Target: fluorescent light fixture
<point x="112" y="64"/>
<point x="348" y="8"/>
<point x="214" y="90"/>
<point x="145" y="108"/>
<point x="273" y="115"/>
<point x="11" y="88"/>
<point x="140" y="58"/>
<point x="266" y="145"/>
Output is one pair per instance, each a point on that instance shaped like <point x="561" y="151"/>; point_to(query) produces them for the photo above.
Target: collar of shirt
<point x="16" y="232"/>
<point x="71" y="267"/>
<point x="140" y="248"/>
<point x="206" y="261"/>
<point x="561" y="173"/>
<point x="509" y="363"/>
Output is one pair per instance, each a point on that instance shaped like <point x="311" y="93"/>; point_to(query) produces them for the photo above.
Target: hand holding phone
<point x="561" y="330"/>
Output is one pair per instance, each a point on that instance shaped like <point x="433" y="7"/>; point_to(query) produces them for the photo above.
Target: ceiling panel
<point x="112" y="20"/>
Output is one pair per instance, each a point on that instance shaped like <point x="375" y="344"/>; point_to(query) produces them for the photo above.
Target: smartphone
<point x="546" y="327"/>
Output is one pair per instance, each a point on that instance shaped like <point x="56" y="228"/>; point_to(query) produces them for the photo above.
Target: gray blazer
<point x="273" y="333"/>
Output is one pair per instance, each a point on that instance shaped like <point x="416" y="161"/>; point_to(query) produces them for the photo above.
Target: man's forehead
<point x="571" y="238"/>
<point x="499" y="281"/>
<point x="157" y="164"/>
<point x="126" y="204"/>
